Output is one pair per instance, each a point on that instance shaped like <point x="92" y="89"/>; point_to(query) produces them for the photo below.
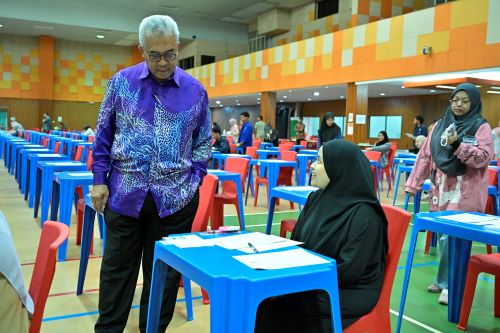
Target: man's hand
<point x="410" y="136"/>
<point x="99" y="197"/>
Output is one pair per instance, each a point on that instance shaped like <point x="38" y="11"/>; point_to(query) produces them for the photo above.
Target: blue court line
<point x="91" y="313"/>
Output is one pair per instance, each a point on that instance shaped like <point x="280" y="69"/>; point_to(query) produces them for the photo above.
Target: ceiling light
<point x="403" y="87"/>
<point x="341" y="96"/>
<point x="284" y="96"/>
<point x="382" y="94"/>
<point x="308" y="99"/>
<point x="445" y="87"/>
<point x="238" y="104"/>
<point x="217" y="102"/>
<point x="1" y="25"/>
<point x="260" y="94"/>
<point x="478" y="86"/>
<point x="237" y="100"/>
<point x="316" y="93"/>
<point x="432" y="90"/>
<point x="326" y="87"/>
<point x="99" y="36"/>
<point x="281" y="101"/>
<point x="258" y="98"/>
<point x="494" y="87"/>
<point x="221" y="105"/>
<point x="290" y="90"/>
<point x="493" y="92"/>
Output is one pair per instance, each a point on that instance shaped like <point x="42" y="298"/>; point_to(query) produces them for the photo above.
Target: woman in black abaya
<point x="328" y="130"/>
<point x="344" y="221"/>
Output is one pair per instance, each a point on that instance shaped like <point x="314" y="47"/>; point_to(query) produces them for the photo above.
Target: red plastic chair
<point x="388" y="169"/>
<point x="256" y="143"/>
<point x="229" y="194"/>
<point x="57" y="147"/>
<point x="252" y="151"/>
<point x="232" y="148"/>
<point x="287" y="226"/>
<point x="200" y="223"/>
<point x="53" y="235"/>
<point x="373" y="156"/>
<point x="479" y="263"/>
<point x="378" y="319"/>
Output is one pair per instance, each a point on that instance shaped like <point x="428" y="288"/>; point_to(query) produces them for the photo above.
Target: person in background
<point x="245" y="137"/>
<point x="300" y="131"/>
<point x="353" y="231"/>
<point x="215" y="125"/>
<point x="220" y="143"/>
<point x="150" y="156"/>
<point x="61" y="126"/>
<point x="16" y="128"/>
<point x="272" y="136"/>
<point x="233" y="128"/>
<point x="328" y="130"/>
<point x="260" y="129"/>
<point x="16" y="304"/>
<point x="46" y="123"/>
<point x="87" y="130"/>
<point x="384" y="146"/>
<point x="457" y="164"/>
<point x="419" y="141"/>
<point x="496" y="140"/>
<point x="419" y="129"/>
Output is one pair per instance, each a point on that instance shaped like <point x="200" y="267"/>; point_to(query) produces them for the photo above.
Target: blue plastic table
<point x="273" y="171"/>
<point x="64" y="185"/>
<point x="16" y="157"/>
<point x="265" y="154"/>
<point x="44" y="174"/>
<point x="402" y="168"/>
<point x="7" y="143"/>
<point x="32" y="166"/>
<point x="265" y="145"/>
<point x="21" y="169"/>
<point x="235" y="289"/>
<point x="460" y="238"/>
<point x="221" y="158"/>
<point x="298" y="194"/>
<point x="11" y="154"/>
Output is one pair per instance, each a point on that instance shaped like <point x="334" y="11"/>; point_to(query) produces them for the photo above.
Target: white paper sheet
<point x="473" y="219"/>
<point x="259" y="242"/>
<point x="281" y="259"/>
<point x="185" y="241"/>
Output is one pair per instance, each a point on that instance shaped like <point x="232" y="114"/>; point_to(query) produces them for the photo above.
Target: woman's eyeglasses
<point x="456" y="101"/>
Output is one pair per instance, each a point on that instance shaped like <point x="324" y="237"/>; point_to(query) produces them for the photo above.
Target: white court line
<point x="416" y="322"/>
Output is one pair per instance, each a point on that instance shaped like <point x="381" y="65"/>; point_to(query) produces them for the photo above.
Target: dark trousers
<point x="129" y="239"/>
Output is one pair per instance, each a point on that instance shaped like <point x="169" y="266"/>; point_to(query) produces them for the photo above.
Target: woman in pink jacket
<point x="455" y="156"/>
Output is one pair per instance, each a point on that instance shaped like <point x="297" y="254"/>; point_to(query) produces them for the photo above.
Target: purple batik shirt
<point x="152" y="137"/>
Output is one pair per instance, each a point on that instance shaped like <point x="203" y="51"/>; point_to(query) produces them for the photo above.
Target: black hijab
<point x="328" y="133"/>
<point x="329" y="211"/>
<point x="467" y="124"/>
<point x="386" y="139"/>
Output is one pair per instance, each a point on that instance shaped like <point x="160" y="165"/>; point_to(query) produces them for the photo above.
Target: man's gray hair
<point x="155" y="25"/>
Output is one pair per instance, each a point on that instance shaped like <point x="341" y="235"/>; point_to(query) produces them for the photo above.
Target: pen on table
<point x="250" y="245"/>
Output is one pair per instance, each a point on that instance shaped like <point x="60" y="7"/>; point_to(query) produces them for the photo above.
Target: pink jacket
<point x="468" y="192"/>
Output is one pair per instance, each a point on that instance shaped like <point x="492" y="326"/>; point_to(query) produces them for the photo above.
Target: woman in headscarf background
<point x="457" y="165"/>
<point x="234" y="129"/>
<point x="328" y="130"/>
<point x="343" y="220"/>
<point x="384" y="146"/>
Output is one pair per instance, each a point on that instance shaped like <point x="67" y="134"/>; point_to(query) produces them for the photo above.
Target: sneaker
<point x="443" y="297"/>
<point x="433" y="288"/>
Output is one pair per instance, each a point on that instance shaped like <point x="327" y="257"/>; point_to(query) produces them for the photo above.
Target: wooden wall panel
<point x="76" y="114"/>
<point x="25" y="111"/>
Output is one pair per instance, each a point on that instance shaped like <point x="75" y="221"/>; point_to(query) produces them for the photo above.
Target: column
<point x="268" y="107"/>
<point x="356" y="105"/>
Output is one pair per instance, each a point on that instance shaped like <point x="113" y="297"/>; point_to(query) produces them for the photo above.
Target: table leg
<point x="157" y="286"/>
<point x="396" y="186"/>
<point x="65" y="214"/>
<point x="37" y="191"/>
<point x="409" y="262"/>
<point x="55" y="200"/>
<point x="87" y="233"/>
<point x="272" y="203"/>
<point x="459" y="253"/>
<point x="240" y="203"/>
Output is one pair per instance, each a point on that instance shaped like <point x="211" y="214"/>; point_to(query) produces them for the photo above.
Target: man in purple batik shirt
<point x="151" y="149"/>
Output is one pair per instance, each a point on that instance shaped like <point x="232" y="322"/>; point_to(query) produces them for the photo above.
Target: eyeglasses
<point x="156" y="56"/>
<point x="459" y="101"/>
